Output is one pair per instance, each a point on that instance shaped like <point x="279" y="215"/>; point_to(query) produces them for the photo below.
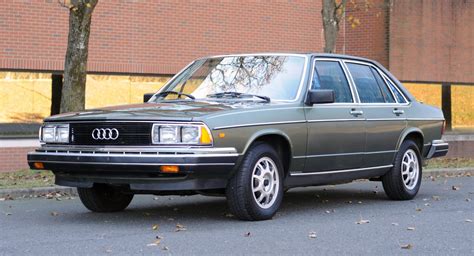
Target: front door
<point x="336" y="131"/>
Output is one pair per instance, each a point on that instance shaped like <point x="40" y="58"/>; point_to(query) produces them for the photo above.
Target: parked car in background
<point x="248" y="127"/>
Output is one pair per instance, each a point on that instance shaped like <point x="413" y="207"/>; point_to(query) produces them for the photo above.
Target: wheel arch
<point x="279" y="140"/>
<point x="415" y="134"/>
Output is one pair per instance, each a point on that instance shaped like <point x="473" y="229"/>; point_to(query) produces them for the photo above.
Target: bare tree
<point x="75" y="66"/>
<point x="332" y="13"/>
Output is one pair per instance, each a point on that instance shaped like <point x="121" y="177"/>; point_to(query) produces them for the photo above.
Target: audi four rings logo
<point x="105" y="134"/>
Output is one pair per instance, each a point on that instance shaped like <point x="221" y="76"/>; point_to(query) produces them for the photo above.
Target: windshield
<point x="276" y="77"/>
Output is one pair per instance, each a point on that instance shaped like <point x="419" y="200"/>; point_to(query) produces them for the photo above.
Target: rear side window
<point x="369" y="84"/>
<point x="397" y="93"/>
<point x="329" y="75"/>
<point x="383" y="87"/>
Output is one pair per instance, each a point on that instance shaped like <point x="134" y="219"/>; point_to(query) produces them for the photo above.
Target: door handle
<point x="398" y="112"/>
<point x="356" y="112"/>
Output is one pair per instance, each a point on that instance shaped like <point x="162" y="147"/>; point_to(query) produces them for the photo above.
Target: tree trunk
<point x="75" y="67"/>
<point x="331" y="13"/>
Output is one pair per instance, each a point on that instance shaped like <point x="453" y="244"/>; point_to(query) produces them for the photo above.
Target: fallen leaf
<point x="348" y="202"/>
<point x="8" y="214"/>
<point x="468" y="220"/>
<point x="165" y="248"/>
<point x="436" y="198"/>
<point x="394" y="224"/>
<point x="411" y="228"/>
<point x="427" y="204"/>
<point x="361" y="221"/>
<point x="155" y="227"/>
<point x="312" y="234"/>
<point x="247" y="234"/>
<point x="359" y="202"/>
<point x="180" y="227"/>
<point x="455" y="188"/>
<point x="407" y="246"/>
<point x="229" y="215"/>
<point x="156" y="243"/>
<point x="108" y="251"/>
<point x="54" y="214"/>
<point x="418" y="209"/>
<point x="155" y="198"/>
<point x="468" y="200"/>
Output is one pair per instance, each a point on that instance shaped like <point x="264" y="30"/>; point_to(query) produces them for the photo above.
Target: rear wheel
<point x="104" y="198"/>
<point x="255" y="191"/>
<point x="404" y="180"/>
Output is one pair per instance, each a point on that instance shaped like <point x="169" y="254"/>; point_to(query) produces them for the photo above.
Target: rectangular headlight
<point x="189" y="134"/>
<point x="55" y="133"/>
<point x="169" y="134"/>
<point x="47" y="134"/>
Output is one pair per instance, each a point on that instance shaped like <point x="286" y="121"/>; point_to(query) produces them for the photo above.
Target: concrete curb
<point x="44" y="191"/>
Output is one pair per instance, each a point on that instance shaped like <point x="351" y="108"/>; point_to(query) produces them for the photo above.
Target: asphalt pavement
<point x="354" y="219"/>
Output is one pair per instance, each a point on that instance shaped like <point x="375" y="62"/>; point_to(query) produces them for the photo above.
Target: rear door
<point x="385" y="115"/>
<point x="336" y="131"/>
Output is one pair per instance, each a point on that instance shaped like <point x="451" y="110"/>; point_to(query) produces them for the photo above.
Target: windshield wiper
<point x="165" y="93"/>
<point x="237" y="95"/>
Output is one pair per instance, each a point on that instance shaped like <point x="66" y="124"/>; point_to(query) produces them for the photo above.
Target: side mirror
<point x="147" y="97"/>
<point x="319" y="97"/>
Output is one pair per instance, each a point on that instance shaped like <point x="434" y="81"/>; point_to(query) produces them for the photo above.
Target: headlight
<point x="55" y="133"/>
<point x="192" y="134"/>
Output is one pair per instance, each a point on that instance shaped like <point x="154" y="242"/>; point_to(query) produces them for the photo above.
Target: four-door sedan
<point x="248" y="127"/>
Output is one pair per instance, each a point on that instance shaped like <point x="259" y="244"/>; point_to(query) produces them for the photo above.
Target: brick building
<point x="135" y="46"/>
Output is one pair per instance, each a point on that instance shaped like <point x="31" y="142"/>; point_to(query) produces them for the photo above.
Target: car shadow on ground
<point x="197" y="208"/>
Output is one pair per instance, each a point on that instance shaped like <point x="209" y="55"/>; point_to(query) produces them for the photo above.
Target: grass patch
<point x="26" y="179"/>
<point x="455" y="162"/>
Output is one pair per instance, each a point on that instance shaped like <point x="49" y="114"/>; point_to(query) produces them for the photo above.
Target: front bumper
<point x="438" y="148"/>
<point x="199" y="168"/>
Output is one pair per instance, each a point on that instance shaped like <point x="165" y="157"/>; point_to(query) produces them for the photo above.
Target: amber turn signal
<point x="169" y="169"/>
<point x="38" y="165"/>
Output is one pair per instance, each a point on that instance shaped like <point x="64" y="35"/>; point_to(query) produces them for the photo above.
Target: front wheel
<point x="255" y="191"/>
<point x="404" y="180"/>
<point x="104" y="198"/>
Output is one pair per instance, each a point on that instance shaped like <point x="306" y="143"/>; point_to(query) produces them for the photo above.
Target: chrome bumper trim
<point x="155" y="152"/>
<point x="438" y="148"/>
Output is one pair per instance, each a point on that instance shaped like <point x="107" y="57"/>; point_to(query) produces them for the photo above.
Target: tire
<point x="255" y="191"/>
<point x="104" y="198"/>
<point x="403" y="181"/>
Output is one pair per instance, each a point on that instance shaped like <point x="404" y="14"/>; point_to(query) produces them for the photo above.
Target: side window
<point x="366" y="84"/>
<point x="329" y="75"/>
<point x="395" y="91"/>
<point x="385" y="91"/>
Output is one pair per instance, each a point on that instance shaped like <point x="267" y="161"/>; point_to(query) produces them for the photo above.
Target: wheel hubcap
<point x="265" y="182"/>
<point x="410" y="169"/>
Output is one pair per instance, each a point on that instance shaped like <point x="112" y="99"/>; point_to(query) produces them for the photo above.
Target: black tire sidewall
<point x="256" y="153"/>
<point x="396" y="172"/>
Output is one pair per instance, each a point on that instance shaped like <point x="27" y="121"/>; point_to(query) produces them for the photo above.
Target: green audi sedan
<point x="248" y="127"/>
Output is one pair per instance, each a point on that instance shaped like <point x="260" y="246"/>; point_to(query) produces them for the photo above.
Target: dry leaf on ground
<point x="180" y="227"/>
<point x="411" y="228"/>
<point x="361" y="221"/>
<point x="155" y="227"/>
<point x="312" y="234"/>
<point x="54" y="214"/>
<point x="455" y="187"/>
<point x="406" y="246"/>
<point x="247" y="234"/>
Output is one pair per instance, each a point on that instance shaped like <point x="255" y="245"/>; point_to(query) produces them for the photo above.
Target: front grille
<point x="131" y="134"/>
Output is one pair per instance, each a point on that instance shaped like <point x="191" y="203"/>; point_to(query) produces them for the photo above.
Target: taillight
<point x="443" y="128"/>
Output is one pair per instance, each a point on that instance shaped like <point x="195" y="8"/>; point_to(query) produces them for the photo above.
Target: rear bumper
<point x="139" y="168"/>
<point x="438" y="148"/>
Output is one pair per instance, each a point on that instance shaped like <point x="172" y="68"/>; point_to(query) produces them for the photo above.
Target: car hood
<point x="166" y="111"/>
